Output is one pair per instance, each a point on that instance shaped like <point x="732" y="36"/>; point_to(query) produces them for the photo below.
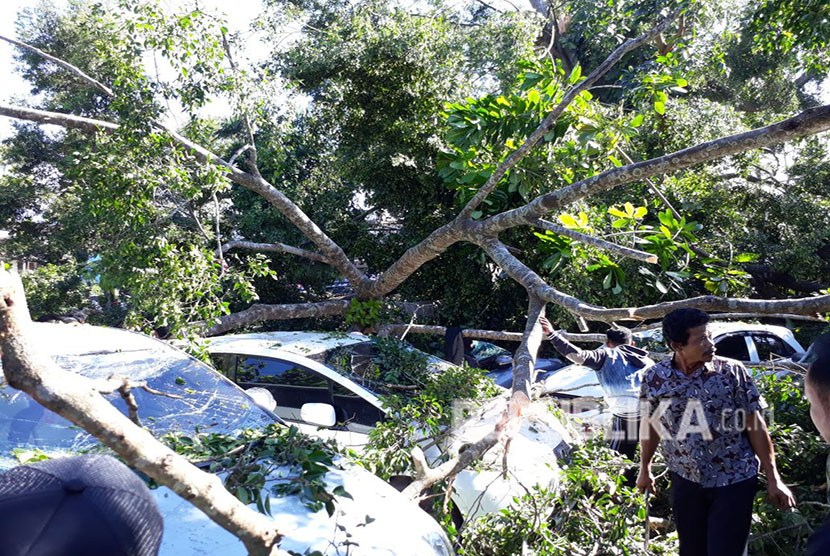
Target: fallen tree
<point x="466" y="227"/>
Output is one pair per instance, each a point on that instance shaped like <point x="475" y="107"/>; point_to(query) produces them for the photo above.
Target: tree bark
<point x="261" y="312"/>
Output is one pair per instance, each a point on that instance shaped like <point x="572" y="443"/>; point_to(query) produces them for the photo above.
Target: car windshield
<point x="205" y="401"/>
<point x="373" y="364"/>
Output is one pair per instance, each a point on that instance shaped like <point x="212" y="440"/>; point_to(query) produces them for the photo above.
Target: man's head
<point x="618" y="336"/>
<point x="817" y="385"/>
<point x="686" y="332"/>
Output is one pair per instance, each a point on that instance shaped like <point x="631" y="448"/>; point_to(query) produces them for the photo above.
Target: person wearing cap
<point x="705" y="413"/>
<point x="817" y="390"/>
<point x="618" y="365"/>
<point x="89" y="504"/>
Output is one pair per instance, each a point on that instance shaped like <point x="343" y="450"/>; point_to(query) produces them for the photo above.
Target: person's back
<point x="619" y="365"/>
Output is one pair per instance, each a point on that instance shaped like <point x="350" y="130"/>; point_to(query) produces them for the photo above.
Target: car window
<point x="225" y="364"/>
<point x="205" y="400"/>
<point x="291" y="385"/>
<point x="733" y="346"/>
<point x="351" y="408"/>
<point x="770" y="346"/>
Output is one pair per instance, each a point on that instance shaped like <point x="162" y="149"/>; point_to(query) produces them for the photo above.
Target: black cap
<point x="77" y="505"/>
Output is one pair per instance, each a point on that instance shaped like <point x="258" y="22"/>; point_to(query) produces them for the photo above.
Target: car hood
<point x="532" y="458"/>
<point x="378" y="520"/>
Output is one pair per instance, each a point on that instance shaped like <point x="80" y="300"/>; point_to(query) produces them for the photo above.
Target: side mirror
<point x="262" y="397"/>
<point x="320" y="414"/>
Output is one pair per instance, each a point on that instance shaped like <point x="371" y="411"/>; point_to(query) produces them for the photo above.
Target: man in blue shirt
<point x="619" y="365"/>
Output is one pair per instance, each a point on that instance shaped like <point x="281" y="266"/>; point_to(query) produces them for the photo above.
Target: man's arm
<point x="759" y="438"/>
<point x="648" y="446"/>
<point x="593" y="359"/>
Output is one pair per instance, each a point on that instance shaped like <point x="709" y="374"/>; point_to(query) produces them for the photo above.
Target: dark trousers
<point x="712" y="521"/>
<point x="625" y="435"/>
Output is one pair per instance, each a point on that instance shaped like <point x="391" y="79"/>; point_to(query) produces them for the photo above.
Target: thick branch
<point x="53" y="118"/>
<point x="397" y="329"/>
<point x="536" y="286"/>
<point x="595" y="242"/>
<point x="258" y="313"/>
<point x="274" y="248"/>
<point x="550" y="120"/>
<point x="524" y="360"/>
<point x="810" y="122"/>
<point x="74" y="398"/>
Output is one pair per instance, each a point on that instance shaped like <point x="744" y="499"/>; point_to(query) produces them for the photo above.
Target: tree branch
<point x="65" y="65"/>
<point x="810" y="122"/>
<point x="74" y="397"/>
<point x="274" y="248"/>
<point x="53" y="118"/>
<point x="259" y="312"/>
<point x="385" y="330"/>
<point x="252" y="181"/>
<point x="550" y="120"/>
<point x="595" y="242"/>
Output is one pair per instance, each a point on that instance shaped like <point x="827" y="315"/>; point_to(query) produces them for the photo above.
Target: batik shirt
<point x="702" y="419"/>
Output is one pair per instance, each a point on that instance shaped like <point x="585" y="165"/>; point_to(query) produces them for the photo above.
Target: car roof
<point x="271" y="343"/>
<point x="718" y="328"/>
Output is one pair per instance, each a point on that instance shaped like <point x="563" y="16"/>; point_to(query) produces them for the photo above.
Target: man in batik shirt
<point x="704" y="411"/>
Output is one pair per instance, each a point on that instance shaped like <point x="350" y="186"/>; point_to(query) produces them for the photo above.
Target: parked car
<point x="499" y="363"/>
<point x="748" y="343"/>
<point x="332" y="371"/>
<point x="376" y="517"/>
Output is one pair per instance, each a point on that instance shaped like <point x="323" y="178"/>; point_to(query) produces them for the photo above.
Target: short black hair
<point x="676" y="325"/>
<point x="818" y="372"/>
<point x="618" y="336"/>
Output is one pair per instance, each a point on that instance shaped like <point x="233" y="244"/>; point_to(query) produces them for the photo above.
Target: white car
<point x="375" y="520"/>
<point x="748" y="343"/>
<point x="316" y="381"/>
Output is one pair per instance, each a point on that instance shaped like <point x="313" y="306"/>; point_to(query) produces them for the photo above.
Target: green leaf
<point x="746" y="257"/>
<point x="575" y="74"/>
<point x="617" y="212"/>
<point x="637" y="121"/>
<point x="533" y="96"/>
<point x="659" y="107"/>
<point x="640" y="212"/>
<point x="568" y="221"/>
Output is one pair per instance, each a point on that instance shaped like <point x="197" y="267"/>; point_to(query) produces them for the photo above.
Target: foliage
<point x="423" y="417"/>
<point x="251" y="460"/>
<point x="592" y="511"/>
<point x="364" y="314"/>
<point x="57" y="290"/>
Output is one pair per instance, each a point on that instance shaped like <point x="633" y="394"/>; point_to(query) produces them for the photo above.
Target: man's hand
<point x="546" y="327"/>
<point x="779" y="494"/>
<point x="645" y="481"/>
